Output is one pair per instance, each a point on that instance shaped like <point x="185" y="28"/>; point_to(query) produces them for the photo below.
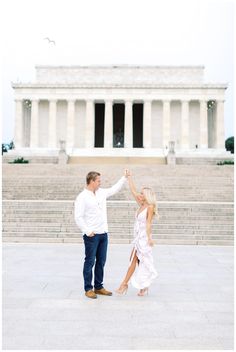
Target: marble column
<point x="18" y="140"/>
<point x="52" y="136"/>
<point x="185" y="125"/>
<point x="90" y="124"/>
<point x="34" y="125"/>
<point x="70" y="123"/>
<point x="203" y="125"/>
<point x="128" y="124"/>
<point x="147" y="124"/>
<point x="108" y="124"/>
<point x="166" y="123"/>
<point x="220" y="128"/>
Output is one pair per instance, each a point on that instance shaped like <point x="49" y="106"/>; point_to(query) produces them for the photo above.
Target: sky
<point x="142" y="32"/>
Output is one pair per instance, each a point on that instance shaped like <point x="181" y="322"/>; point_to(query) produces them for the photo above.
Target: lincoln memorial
<point x="119" y="110"/>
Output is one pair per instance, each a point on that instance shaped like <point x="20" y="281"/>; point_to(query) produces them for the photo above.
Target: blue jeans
<point x="95" y="250"/>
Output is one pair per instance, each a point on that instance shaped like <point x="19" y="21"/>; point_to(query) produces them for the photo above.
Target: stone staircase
<point x="180" y="183"/>
<point x="179" y="223"/>
<point x="195" y="203"/>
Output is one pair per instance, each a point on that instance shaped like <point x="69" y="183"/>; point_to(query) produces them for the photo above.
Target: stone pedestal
<point x="62" y="157"/>
<point x="171" y="157"/>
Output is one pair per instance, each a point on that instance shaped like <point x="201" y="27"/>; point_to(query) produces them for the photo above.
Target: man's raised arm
<point x="117" y="187"/>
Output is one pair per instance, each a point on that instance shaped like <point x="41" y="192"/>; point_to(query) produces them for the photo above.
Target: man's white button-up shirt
<point x="91" y="208"/>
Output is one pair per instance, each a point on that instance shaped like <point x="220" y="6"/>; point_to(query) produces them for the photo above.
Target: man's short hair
<point x="92" y="175"/>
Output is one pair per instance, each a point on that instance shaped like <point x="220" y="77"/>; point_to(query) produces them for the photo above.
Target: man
<point x="91" y="217"/>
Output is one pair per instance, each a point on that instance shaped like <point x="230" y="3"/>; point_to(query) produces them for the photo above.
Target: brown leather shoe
<point x="103" y="291"/>
<point x="90" y="294"/>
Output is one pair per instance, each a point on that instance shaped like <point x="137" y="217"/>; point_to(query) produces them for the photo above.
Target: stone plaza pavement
<point x="189" y="306"/>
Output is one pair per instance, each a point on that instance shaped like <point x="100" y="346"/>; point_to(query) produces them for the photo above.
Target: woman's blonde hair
<point x="150" y="197"/>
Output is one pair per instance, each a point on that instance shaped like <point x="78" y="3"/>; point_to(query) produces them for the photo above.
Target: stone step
<point x="168" y="196"/>
<point x="170" y="199"/>
<point x="124" y="226"/>
<point x="78" y="183"/>
<point x="158" y="180"/>
<point x="131" y="204"/>
<point x="36" y="159"/>
<point x="174" y="241"/>
<point x="197" y="160"/>
<point x="172" y="222"/>
<point x="46" y="209"/>
<point x="81" y="169"/>
<point x="120" y="222"/>
<point x="200" y="161"/>
<point x="170" y="217"/>
<point x="119" y="241"/>
<point x="122" y="236"/>
<point x="190" y="209"/>
<point x="126" y="234"/>
<point x="163" y="211"/>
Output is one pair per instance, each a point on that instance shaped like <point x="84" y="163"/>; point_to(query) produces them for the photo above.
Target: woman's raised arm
<point x="133" y="188"/>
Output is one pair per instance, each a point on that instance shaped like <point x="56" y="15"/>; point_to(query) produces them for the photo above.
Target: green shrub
<point x="226" y="162"/>
<point x="229" y="144"/>
<point x="19" y="161"/>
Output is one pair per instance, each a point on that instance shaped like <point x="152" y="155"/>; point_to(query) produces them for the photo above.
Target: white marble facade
<point x="130" y="108"/>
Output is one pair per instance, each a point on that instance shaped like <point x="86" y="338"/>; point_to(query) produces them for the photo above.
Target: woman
<point x="143" y="243"/>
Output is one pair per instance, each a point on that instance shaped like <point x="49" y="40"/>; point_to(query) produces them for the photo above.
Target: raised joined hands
<point x="127" y="173"/>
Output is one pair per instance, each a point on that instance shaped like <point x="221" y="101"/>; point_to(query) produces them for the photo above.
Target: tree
<point x="229" y="144"/>
<point x="11" y="145"/>
<point x="6" y="147"/>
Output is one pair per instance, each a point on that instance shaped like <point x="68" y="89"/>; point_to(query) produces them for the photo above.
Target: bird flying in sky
<point x="50" y="41"/>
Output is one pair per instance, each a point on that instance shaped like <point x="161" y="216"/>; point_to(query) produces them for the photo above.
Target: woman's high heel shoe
<point x="143" y="291"/>
<point x="122" y="289"/>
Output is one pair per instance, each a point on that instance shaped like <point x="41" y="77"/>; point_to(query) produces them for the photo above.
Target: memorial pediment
<point x="118" y="75"/>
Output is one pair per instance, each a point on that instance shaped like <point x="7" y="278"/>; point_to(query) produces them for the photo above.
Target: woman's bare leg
<point x="131" y="268"/>
<point x="124" y="285"/>
<point x="131" y="255"/>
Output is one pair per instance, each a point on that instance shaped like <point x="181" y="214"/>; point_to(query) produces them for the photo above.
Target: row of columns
<point x="108" y="128"/>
